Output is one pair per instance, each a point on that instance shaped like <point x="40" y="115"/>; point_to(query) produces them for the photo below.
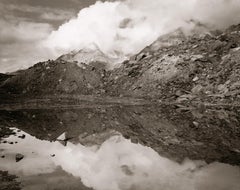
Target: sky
<point x="38" y="30"/>
<point x="24" y="23"/>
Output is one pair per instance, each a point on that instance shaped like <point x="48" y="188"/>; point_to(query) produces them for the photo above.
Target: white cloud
<point x="145" y="20"/>
<point x="21" y="56"/>
<point x="23" y="31"/>
<point x="46" y="13"/>
<point x="119" y="27"/>
<point x="20" y="44"/>
<point x="21" y="36"/>
<point x="55" y="16"/>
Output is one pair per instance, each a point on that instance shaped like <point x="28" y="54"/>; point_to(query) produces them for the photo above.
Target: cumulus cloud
<point x="23" y="27"/>
<point x="14" y="32"/>
<point x="126" y="27"/>
<point x="118" y="164"/>
<point x="35" y="14"/>
<point x="119" y="28"/>
<point x="62" y="16"/>
<point x="20" y="44"/>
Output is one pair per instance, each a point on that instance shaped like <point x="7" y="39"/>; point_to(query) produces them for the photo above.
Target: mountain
<point x="89" y="55"/>
<point x="202" y="67"/>
<point x="54" y="78"/>
<point x="4" y="77"/>
<point x="175" y="68"/>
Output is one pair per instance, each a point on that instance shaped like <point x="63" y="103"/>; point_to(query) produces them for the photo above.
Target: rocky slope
<point x="54" y="78"/>
<point x="175" y="68"/>
<point x="201" y="67"/>
<point x="90" y="55"/>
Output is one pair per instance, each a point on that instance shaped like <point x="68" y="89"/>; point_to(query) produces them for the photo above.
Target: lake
<point x="121" y="147"/>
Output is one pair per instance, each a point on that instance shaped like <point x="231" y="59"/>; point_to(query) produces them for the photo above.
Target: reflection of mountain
<point x="58" y="179"/>
<point x="208" y="135"/>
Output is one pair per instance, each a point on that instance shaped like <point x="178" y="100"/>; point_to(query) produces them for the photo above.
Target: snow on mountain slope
<point x="92" y="54"/>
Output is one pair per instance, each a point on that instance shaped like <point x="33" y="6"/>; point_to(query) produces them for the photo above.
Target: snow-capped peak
<point x="90" y="54"/>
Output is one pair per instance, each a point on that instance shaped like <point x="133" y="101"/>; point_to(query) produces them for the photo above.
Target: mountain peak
<point x="90" y="54"/>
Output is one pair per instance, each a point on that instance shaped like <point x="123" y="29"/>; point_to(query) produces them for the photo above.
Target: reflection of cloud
<point x="119" y="164"/>
<point x="36" y="156"/>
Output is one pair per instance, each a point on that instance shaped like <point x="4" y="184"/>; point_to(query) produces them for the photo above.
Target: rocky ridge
<point x="200" y="67"/>
<point x="175" y="68"/>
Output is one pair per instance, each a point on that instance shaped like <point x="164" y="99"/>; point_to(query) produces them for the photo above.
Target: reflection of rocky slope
<point x="9" y="182"/>
<point x="174" y="68"/>
<point x="197" y="134"/>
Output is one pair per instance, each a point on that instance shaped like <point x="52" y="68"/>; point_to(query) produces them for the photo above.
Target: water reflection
<point x="37" y="170"/>
<point x="116" y="164"/>
<point x="130" y="147"/>
<point x="210" y="134"/>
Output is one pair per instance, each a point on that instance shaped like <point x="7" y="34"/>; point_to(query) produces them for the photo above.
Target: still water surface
<point x="123" y="148"/>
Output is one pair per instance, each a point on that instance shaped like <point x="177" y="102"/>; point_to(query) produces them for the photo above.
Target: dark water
<point x="123" y="147"/>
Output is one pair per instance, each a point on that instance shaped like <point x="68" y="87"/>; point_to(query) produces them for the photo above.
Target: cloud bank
<point x="126" y="27"/>
<point x="23" y="28"/>
<point x="118" y="28"/>
<point x="20" y="44"/>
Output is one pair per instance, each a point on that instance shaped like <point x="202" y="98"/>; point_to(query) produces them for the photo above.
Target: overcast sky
<point x="23" y="23"/>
